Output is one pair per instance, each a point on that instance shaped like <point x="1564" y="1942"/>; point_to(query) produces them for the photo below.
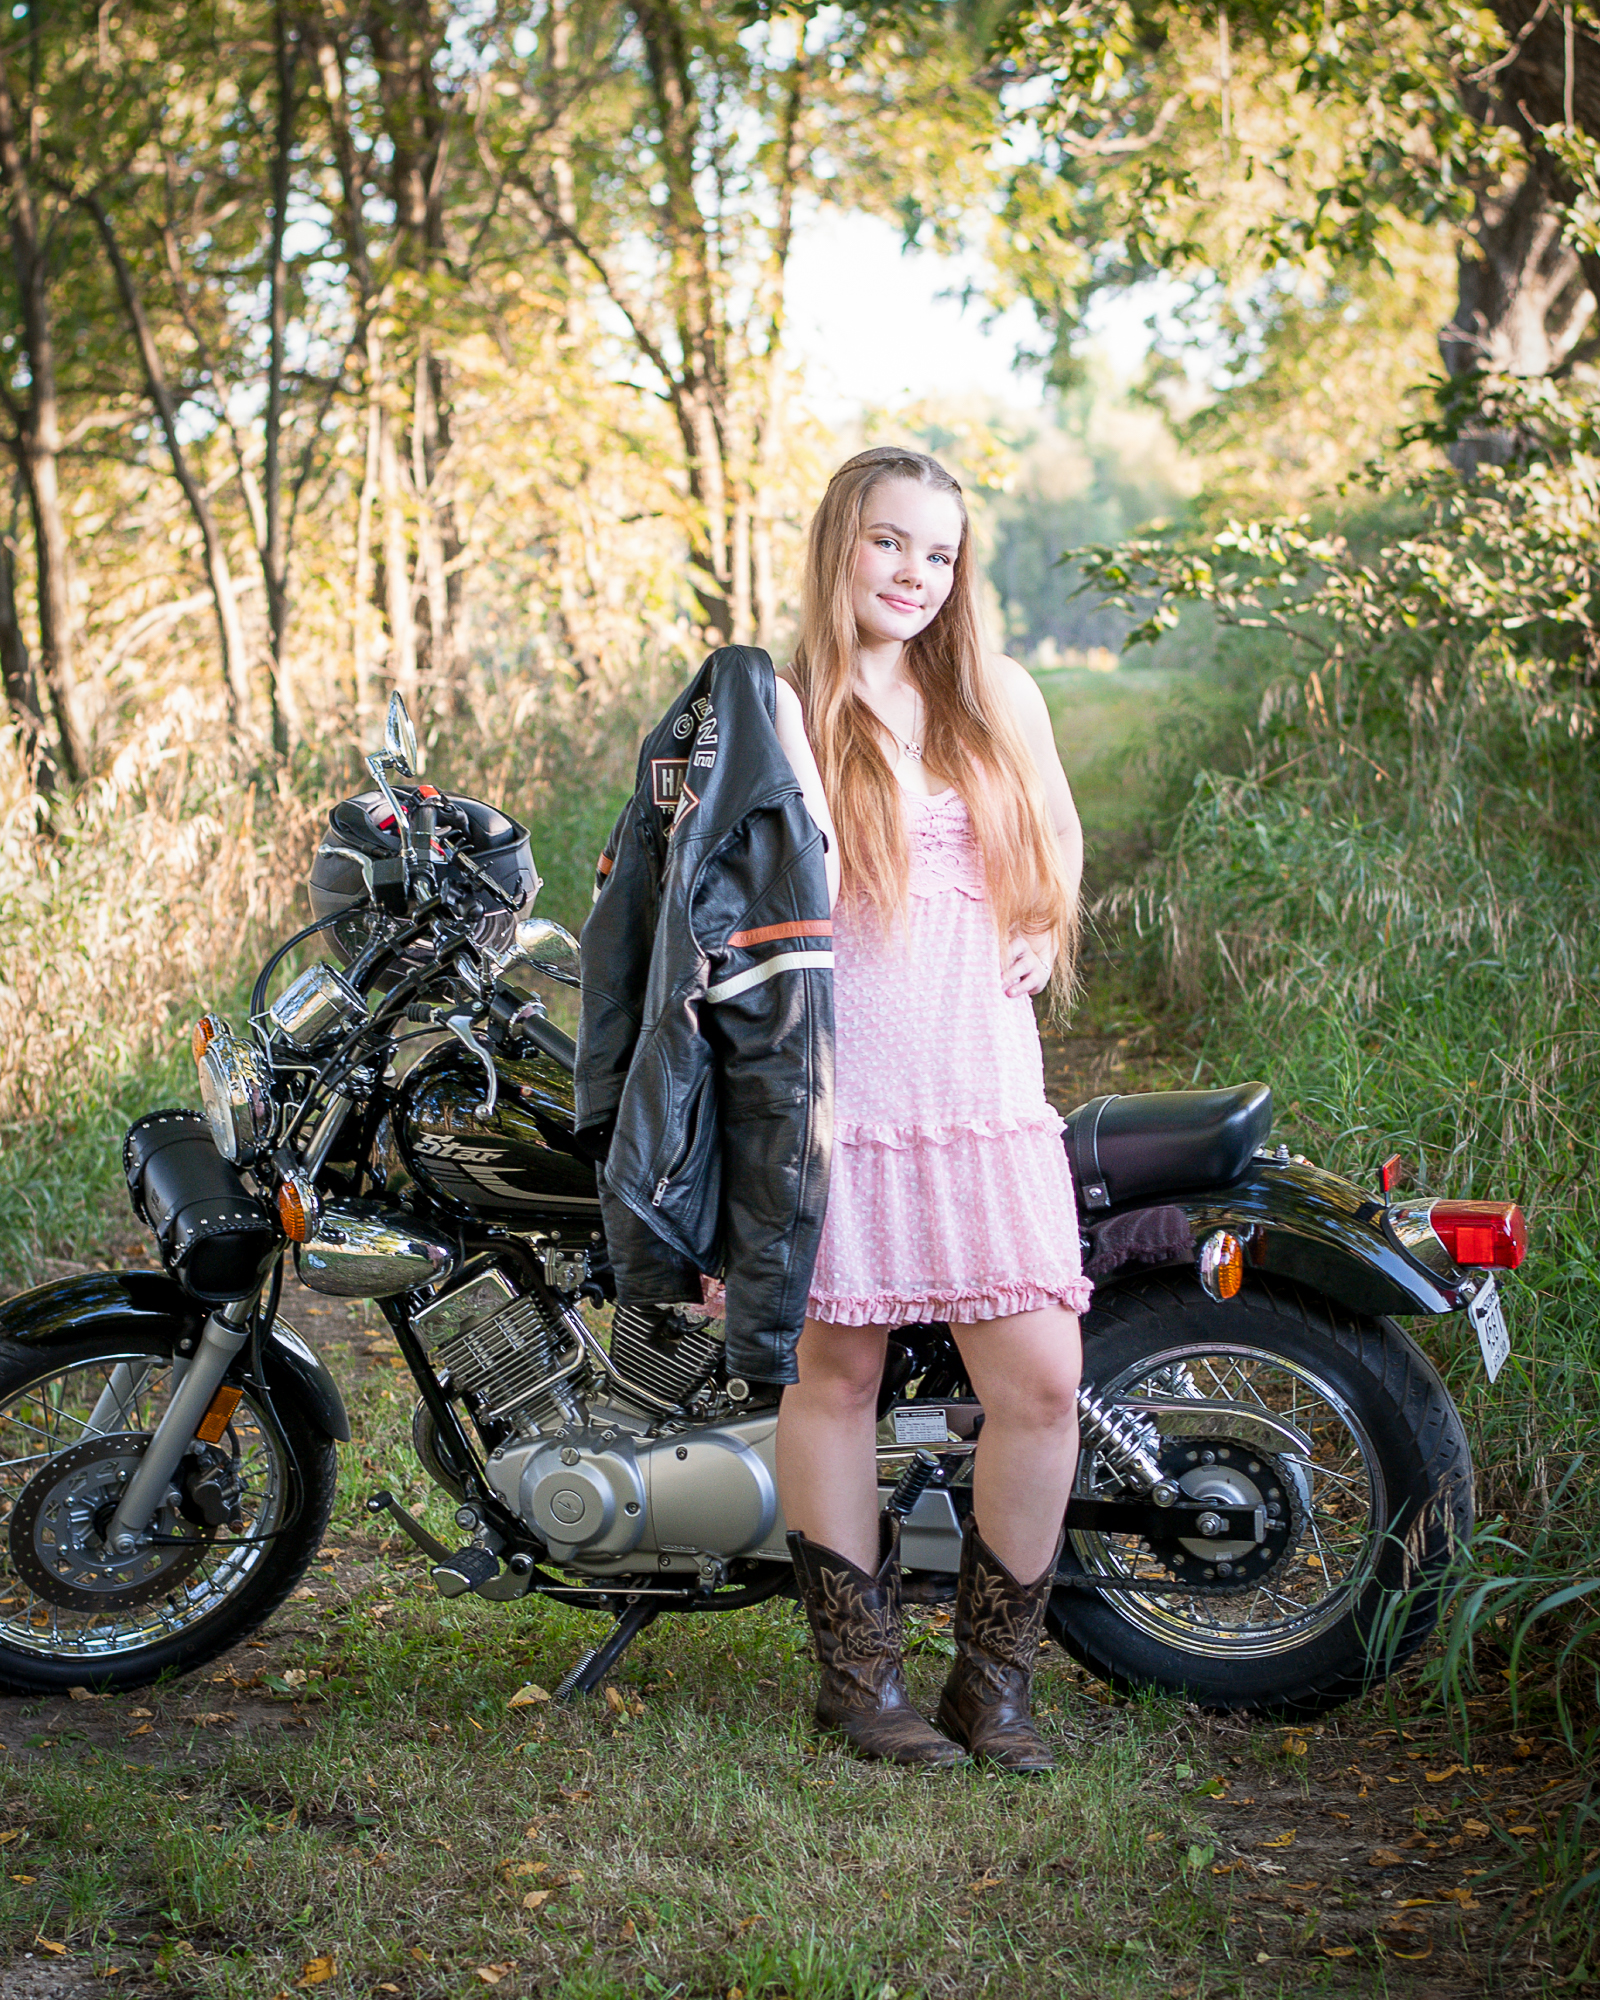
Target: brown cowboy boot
<point x="856" y="1621"/>
<point x="998" y="1627"/>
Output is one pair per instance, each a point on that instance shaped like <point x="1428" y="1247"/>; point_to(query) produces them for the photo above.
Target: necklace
<point x="913" y="750"/>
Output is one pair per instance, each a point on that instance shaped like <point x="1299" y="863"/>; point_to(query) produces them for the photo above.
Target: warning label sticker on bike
<point x="925" y="1426"/>
<point x="1488" y="1318"/>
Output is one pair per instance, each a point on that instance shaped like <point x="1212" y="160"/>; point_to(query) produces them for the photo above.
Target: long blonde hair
<point x="969" y="737"/>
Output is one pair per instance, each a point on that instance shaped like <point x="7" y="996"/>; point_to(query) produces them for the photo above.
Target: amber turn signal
<point x="206" y="1031"/>
<point x="297" y="1209"/>
<point x="1222" y="1264"/>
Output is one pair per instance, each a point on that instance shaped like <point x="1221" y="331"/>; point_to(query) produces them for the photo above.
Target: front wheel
<point x="244" y="1519"/>
<point x="1365" y="1505"/>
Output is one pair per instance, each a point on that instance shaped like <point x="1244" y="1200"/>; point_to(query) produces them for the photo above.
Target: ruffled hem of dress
<point x="954" y="1308"/>
<point x="905" y="1138"/>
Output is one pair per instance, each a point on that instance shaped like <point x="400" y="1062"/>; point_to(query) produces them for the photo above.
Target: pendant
<point x="912" y="750"/>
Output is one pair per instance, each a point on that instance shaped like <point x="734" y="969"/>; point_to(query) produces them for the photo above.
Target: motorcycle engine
<point x="571" y="1449"/>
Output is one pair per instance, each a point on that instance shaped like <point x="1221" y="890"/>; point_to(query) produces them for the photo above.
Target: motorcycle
<point x="1273" y="1479"/>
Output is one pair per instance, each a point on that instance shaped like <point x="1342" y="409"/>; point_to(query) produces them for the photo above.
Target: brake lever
<point x="460" y="1025"/>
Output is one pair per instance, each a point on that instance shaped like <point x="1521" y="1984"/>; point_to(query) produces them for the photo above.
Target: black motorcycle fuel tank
<point x="519" y="1162"/>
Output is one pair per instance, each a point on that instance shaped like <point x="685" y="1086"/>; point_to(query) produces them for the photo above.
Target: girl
<point x="955" y="856"/>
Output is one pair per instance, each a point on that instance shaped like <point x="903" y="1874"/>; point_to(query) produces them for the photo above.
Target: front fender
<point x="99" y="1301"/>
<point x="95" y="1300"/>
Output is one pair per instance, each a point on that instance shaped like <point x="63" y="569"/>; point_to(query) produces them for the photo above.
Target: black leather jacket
<point x="706" y="1037"/>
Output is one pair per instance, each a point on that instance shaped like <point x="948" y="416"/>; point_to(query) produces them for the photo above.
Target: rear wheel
<point x="247" y="1517"/>
<point x="1363" y="1512"/>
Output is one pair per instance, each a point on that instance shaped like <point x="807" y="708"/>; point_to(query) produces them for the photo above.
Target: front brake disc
<point x="56" y="1532"/>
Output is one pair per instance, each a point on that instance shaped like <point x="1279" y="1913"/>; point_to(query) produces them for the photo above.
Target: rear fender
<point x="1297" y="1222"/>
<point x="101" y="1301"/>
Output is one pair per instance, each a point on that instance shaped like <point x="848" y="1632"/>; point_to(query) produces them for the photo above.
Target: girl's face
<point x="905" y="560"/>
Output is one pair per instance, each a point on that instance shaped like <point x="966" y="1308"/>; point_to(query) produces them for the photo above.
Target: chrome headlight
<point x="235" y="1090"/>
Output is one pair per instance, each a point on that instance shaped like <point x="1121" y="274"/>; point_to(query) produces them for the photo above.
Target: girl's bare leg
<point x="827" y="1440"/>
<point x="1024" y="1369"/>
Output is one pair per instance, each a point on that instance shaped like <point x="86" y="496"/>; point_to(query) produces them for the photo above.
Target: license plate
<point x="925" y="1426"/>
<point x="1484" y="1311"/>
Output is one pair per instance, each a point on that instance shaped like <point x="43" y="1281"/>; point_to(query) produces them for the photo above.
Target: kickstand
<point x="592" y="1669"/>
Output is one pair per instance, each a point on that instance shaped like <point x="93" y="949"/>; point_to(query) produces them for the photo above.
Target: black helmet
<point x="364" y="829"/>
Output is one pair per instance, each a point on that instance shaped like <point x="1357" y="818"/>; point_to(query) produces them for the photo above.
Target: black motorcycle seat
<point x="1157" y="1141"/>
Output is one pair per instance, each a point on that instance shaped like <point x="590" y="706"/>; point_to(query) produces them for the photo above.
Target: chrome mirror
<point x="545" y="946"/>
<point x="399" y="738"/>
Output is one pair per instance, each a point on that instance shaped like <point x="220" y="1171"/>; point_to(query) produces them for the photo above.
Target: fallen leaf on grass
<point x="1463" y="1896"/>
<point x="141" y="1711"/>
<point x="47" y="1944"/>
<point x="1523" y="1832"/>
<point x="144" y="1729"/>
<point x="1339" y="1950"/>
<point x="1474" y="1829"/>
<point x="984" y="1882"/>
<point x="1418" y="1902"/>
<point x="304" y="1592"/>
<point x="537" y="1898"/>
<point x="25" y="1880"/>
<point x="527" y="1695"/>
<point x="749" y="1923"/>
<point x="491" y="1975"/>
<point x="577" y="1794"/>
<point x="317" y="1971"/>
<point x="84" y="1694"/>
<point x="628" y="1932"/>
<point x="1449" y="1771"/>
<point x="1282" y="1839"/>
<point x="422" y="1957"/>
<point x="214" y="1718"/>
<point x="1293" y="1746"/>
<point x="13" y="1833"/>
<point x="1413" y="1956"/>
<point x="615" y="1702"/>
<point x="1385" y="1857"/>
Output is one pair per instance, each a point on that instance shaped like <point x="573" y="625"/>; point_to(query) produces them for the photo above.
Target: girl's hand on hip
<point x="1026" y="967"/>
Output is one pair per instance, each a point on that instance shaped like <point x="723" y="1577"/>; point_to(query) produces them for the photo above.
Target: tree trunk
<point x="1524" y="299"/>
<point x="275" y="542"/>
<point x="230" y="627"/>
<point x="39" y="439"/>
<point x="22" y="693"/>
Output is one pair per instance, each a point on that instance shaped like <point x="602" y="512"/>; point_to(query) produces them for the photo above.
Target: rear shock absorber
<point x="1127" y="1443"/>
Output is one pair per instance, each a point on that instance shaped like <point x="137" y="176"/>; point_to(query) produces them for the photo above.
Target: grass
<point x="353" y="1793"/>
<point x="685" y="1835"/>
<point x="369" y="1806"/>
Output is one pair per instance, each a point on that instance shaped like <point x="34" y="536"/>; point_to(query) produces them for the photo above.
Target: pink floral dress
<point x="950" y="1196"/>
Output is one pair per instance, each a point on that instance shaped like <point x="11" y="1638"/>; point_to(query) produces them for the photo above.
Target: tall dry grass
<point x="1392" y="912"/>
<point x="157" y="891"/>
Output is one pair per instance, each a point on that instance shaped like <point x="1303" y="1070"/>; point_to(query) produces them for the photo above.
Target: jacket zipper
<point x="660" y="1194"/>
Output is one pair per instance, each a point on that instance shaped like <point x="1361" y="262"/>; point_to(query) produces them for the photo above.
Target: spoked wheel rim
<point x="1337" y="1489"/>
<point x="67" y="1439"/>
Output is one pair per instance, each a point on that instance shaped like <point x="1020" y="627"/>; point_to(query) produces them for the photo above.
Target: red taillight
<point x="1491" y="1233"/>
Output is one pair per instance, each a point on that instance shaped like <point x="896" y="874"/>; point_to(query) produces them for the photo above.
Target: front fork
<point x="224" y="1333"/>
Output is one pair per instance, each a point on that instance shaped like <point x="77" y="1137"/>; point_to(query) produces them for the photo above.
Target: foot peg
<point x="468" y="1569"/>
